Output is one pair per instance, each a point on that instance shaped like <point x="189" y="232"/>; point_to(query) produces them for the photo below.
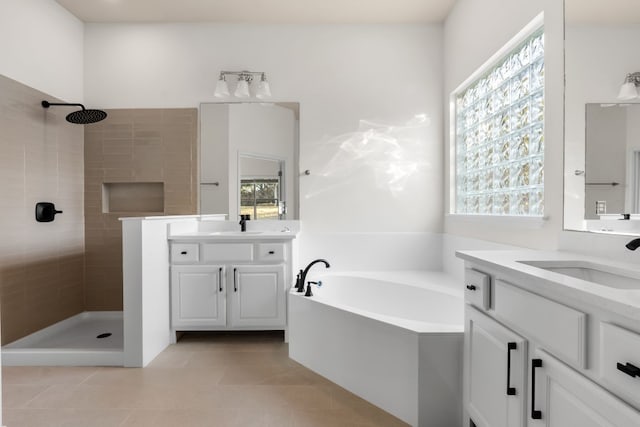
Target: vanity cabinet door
<point x="495" y="372"/>
<point x="198" y="297"/>
<point x="257" y="295"/>
<point x="562" y="397"/>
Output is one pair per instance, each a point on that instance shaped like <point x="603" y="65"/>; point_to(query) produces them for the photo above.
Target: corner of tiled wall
<point x="41" y="264"/>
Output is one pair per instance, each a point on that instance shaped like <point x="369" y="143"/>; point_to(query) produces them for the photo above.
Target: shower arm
<point x="47" y="104"/>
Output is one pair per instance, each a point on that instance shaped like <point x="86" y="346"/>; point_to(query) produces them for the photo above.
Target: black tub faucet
<point x="303" y="274"/>
<point x="243" y="222"/>
<point x="634" y="244"/>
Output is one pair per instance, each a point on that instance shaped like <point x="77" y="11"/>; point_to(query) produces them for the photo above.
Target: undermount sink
<point x="591" y="272"/>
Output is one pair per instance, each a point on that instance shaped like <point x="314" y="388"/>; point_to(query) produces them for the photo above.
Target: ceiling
<point x="262" y="11"/>
<point x="609" y="12"/>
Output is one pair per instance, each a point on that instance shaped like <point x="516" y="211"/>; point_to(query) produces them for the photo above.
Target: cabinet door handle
<point x="235" y="280"/>
<point x="629" y="369"/>
<point x="220" y="278"/>
<point x="272" y="252"/>
<point x="535" y="414"/>
<point x="511" y="391"/>
<point x="183" y="253"/>
<point x="471" y="287"/>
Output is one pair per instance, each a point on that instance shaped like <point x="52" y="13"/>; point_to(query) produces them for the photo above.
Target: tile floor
<point x="207" y="379"/>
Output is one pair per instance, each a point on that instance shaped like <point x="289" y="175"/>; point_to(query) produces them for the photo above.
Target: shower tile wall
<point x="41" y="264"/>
<point x="133" y="146"/>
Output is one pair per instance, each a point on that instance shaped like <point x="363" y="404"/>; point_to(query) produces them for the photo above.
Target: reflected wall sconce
<point x="629" y="89"/>
<point x="245" y="78"/>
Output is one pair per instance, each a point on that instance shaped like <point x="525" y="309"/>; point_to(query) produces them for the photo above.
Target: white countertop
<point x="623" y="301"/>
<point x="233" y="236"/>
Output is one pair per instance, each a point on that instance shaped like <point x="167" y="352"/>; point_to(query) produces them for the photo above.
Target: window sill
<point x="514" y="221"/>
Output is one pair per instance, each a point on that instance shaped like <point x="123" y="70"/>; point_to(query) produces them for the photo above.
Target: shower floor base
<point x="72" y="342"/>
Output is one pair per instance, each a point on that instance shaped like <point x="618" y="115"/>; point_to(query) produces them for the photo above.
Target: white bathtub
<point x="392" y="338"/>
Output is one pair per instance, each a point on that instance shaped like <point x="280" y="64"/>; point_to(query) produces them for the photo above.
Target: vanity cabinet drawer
<point x="559" y="329"/>
<point x="620" y="361"/>
<point x="184" y="253"/>
<point x="477" y="290"/>
<point x="224" y="252"/>
<point x="271" y="252"/>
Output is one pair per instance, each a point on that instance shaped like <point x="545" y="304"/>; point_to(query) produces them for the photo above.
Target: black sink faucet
<point x="634" y="244"/>
<point x="243" y="222"/>
<point x="303" y="275"/>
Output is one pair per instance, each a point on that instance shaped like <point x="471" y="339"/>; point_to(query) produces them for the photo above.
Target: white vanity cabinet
<point x="562" y="397"/>
<point x="229" y="284"/>
<point x="496" y="360"/>
<point x="198" y="296"/>
<point x="258" y="297"/>
<point x="533" y="358"/>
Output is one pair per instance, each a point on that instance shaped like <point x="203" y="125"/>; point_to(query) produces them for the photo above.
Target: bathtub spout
<point x="303" y="275"/>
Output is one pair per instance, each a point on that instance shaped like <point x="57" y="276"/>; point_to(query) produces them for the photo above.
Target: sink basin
<point x="234" y="233"/>
<point x="591" y="272"/>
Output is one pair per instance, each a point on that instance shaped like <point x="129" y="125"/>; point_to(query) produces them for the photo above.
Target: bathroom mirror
<point x="249" y="159"/>
<point x="601" y="134"/>
<point x="612" y="160"/>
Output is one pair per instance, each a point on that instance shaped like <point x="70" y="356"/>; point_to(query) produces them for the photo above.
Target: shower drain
<point x="105" y="335"/>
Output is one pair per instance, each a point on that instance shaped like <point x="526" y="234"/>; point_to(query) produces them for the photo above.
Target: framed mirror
<point x="249" y="159"/>
<point x="602" y="139"/>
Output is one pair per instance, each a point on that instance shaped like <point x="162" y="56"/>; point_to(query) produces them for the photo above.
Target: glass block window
<point x="499" y="127"/>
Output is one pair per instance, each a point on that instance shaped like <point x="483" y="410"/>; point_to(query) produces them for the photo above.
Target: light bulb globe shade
<point x="263" y="90"/>
<point x="242" y="90"/>
<point x="628" y="91"/>
<point x="222" y="89"/>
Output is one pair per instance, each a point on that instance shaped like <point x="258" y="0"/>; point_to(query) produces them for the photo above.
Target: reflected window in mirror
<point x="499" y="133"/>
<point x="260" y="198"/>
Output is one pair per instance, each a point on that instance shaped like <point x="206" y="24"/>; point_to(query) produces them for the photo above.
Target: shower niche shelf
<point x="130" y="197"/>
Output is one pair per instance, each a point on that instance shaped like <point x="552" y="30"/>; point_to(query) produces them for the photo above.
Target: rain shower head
<point x="80" y="117"/>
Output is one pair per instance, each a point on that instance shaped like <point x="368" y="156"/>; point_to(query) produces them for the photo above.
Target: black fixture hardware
<point x="629" y="369"/>
<point x="46" y="211"/>
<point x="105" y="335"/>
<point x="303" y="274"/>
<point x="308" y="293"/>
<point x="235" y="280"/>
<point x="511" y="391"/>
<point x="612" y="184"/>
<point x="80" y="117"/>
<point x="272" y="252"/>
<point x="220" y="278"/>
<point x="183" y="253"/>
<point x="626" y="217"/>
<point x="243" y="221"/>
<point x="633" y="245"/>
<point x="535" y="414"/>
<point x="471" y="287"/>
<point x="298" y="286"/>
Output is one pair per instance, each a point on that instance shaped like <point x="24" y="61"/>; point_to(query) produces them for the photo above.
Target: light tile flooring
<point x="220" y="379"/>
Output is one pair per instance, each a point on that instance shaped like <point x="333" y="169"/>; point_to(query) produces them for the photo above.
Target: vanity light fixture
<point x="629" y="89"/>
<point x="222" y="89"/>
<point x="243" y="86"/>
<point x="242" y="89"/>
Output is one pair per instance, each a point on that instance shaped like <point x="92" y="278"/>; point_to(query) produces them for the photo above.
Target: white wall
<point x="341" y="75"/>
<point x="473" y="32"/>
<point x="42" y="47"/>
